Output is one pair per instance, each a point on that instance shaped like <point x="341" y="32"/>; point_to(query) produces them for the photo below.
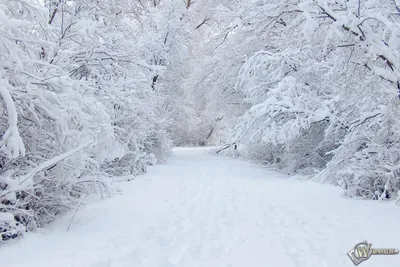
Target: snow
<point x="5" y="216"/>
<point x="213" y="211"/>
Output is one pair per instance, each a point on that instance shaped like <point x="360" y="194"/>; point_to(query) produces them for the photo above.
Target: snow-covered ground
<point x="213" y="211"/>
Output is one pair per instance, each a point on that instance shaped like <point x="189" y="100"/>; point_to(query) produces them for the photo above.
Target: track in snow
<point x="213" y="211"/>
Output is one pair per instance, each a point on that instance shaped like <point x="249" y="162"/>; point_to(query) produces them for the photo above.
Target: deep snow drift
<point x="213" y="211"/>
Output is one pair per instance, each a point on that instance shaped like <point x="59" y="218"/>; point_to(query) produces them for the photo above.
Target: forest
<point x="93" y="92"/>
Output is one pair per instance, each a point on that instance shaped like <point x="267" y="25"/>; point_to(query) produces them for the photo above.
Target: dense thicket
<point x="320" y="84"/>
<point x="83" y="99"/>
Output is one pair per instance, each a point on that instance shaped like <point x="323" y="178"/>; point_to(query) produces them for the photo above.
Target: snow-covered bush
<point x="286" y="122"/>
<point x="364" y="77"/>
<point x="52" y="129"/>
<point x="321" y="83"/>
<point x="78" y="103"/>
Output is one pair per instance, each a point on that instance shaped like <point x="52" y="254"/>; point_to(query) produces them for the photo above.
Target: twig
<point x="225" y="147"/>
<point x="202" y="23"/>
<point x="76" y="210"/>
<point x="226" y="36"/>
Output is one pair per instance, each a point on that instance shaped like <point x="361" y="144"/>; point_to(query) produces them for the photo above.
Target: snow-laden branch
<point x="11" y="142"/>
<point x="49" y="163"/>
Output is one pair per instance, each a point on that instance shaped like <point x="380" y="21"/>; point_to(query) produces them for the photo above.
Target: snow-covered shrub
<point x="321" y="82"/>
<point x="51" y="127"/>
<point x="366" y="162"/>
<point x="365" y="79"/>
<point x="9" y="228"/>
<point x="285" y="125"/>
<point x="78" y="105"/>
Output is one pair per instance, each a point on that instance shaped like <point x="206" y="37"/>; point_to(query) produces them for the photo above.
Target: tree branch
<point x="202" y="23"/>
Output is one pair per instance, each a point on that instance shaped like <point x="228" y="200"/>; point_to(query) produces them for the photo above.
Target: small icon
<point x="363" y="251"/>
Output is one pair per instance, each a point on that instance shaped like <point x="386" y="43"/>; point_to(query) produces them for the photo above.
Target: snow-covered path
<point x="212" y="211"/>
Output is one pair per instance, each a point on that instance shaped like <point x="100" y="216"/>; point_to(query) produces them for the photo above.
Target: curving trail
<point x="213" y="211"/>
